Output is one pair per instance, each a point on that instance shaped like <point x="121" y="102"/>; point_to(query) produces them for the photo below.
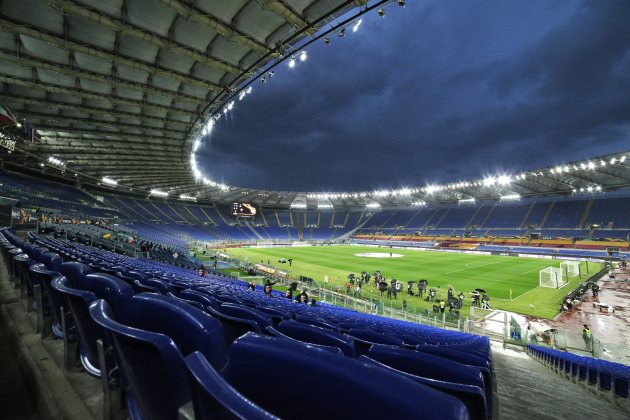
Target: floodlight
<point x="187" y="197"/>
<point x="622" y="159"/>
<point x="488" y="181"/>
<point x="249" y="90"/>
<point x="356" y="25"/>
<point x="303" y="56"/>
<point x="158" y="193"/>
<point x="271" y="73"/>
<point x="109" y="181"/>
<point x="291" y="64"/>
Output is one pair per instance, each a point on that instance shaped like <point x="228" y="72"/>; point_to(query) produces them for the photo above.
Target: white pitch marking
<point x="474" y="266"/>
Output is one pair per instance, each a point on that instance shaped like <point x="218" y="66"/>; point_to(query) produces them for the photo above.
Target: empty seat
<point x="365" y="338"/>
<point x="214" y="398"/>
<point x="433" y="367"/>
<point x="151" y="336"/>
<point x="318" y="335"/>
<point x="78" y="298"/>
<point x="264" y="369"/>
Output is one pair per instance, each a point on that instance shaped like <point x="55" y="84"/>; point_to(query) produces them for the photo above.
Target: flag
<point x="5" y="115"/>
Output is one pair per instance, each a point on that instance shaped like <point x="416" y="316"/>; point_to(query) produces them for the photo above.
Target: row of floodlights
<point x="159" y="193"/>
<point x="299" y="56"/>
<point x="589" y="189"/>
<point x="591" y="165"/>
<point x="55" y="161"/>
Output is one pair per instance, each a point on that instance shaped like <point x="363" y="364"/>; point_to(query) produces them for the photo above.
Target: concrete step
<point x="528" y="390"/>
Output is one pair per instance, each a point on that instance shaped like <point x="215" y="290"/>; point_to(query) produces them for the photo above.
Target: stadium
<point x="314" y="209"/>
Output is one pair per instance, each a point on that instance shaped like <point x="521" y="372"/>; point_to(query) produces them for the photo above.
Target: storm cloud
<point x="439" y="91"/>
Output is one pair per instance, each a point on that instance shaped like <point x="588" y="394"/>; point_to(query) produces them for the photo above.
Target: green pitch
<point x="498" y="275"/>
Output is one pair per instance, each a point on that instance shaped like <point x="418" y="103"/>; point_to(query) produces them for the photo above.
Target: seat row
<point x="248" y="356"/>
<point x="609" y="379"/>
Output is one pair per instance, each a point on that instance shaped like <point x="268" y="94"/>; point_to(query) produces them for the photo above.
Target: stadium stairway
<point x="32" y="384"/>
<point x="528" y="390"/>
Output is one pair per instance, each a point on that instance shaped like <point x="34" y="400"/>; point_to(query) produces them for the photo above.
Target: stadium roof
<point x="121" y="89"/>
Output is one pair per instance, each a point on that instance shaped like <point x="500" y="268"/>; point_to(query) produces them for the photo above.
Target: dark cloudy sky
<point x="439" y="91"/>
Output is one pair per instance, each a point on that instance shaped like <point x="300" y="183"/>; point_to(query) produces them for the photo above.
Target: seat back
<point x="152" y="366"/>
<point x="155" y="286"/>
<point x="77" y="302"/>
<point x="213" y="397"/>
<point x="240" y="311"/>
<point x="431" y="366"/>
<point x="190" y="328"/>
<point x="233" y="327"/>
<point x="472" y="396"/>
<point x="195" y="296"/>
<point x="74" y="272"/>
<point x="365" y="338"/>
<point x="275" y="373"/>
<point x="317" y="335"/>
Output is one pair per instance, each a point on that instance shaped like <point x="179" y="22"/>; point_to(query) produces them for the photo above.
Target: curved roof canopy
<point x="120" y="89"/>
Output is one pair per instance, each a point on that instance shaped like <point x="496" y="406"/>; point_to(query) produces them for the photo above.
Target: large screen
<point x="243" y="210"/>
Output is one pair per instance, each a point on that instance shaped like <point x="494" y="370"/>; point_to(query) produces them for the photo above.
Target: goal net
<point x="570" y="268"/>
<point x="552" y="277"/>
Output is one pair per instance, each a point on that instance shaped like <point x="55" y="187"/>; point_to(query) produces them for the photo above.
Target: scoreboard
<point x="243" y="210"/>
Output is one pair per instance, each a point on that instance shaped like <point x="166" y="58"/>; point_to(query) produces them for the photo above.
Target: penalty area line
<point x="523" y="294"/>
<point x="474" y="266"/>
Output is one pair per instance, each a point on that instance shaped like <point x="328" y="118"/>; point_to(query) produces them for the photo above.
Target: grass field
<point x="464" y="272"/>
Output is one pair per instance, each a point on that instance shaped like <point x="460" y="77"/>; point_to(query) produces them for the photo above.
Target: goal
<point x="552" y="277"/>
<point x="570" y="268"/>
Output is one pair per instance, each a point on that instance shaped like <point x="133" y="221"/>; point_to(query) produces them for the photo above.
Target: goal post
<point x="571" y="269"/>
<point x="552" y="277"/>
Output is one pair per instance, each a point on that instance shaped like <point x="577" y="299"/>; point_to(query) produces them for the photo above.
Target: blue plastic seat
<point x="78" y="295"/>
<point x="315" y="321"/>
<point x="214" y="398"/>
<point x="245" y="312"/>
<point x="276" y="373"/>
<point x="233" y="327"/>
<point x="318" y="335"/>
<point x="433" y="367"/>
<point x="472" y="396"/>
<point x="151" y="336"/>
<point x="154" y="285"/>
<point x="468" y="359"/>
<point x="203" y="298"/>
<point x="365" y="338"/>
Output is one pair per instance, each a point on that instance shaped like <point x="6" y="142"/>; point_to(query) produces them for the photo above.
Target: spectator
<point x="269" y="287"/>
<point x="587" y="336"/>
<point x="251" y="286"/>
<point x="303" y="297"/>
<point x="201" y="272"/>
